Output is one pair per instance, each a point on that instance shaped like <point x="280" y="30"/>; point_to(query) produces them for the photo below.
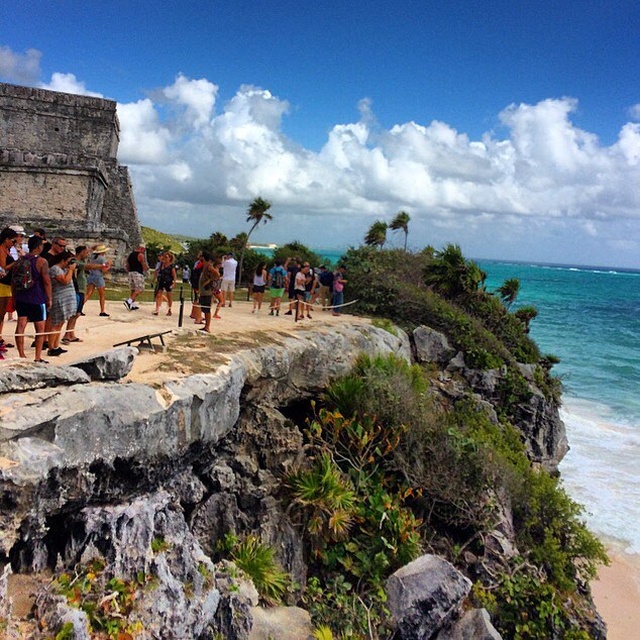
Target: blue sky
<point x="510" y="128"/>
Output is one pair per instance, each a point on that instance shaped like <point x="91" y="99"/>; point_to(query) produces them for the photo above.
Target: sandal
<point x="169" y="312"/>
<point x="42" y="360"/>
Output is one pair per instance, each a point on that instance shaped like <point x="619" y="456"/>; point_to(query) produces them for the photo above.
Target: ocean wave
<point x="600" y="470"/>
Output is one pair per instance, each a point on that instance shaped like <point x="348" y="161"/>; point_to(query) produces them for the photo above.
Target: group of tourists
<point x="213" y="280"/>
<point x="47" y="283"/>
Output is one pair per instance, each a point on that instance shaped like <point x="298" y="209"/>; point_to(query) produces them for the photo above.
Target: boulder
<point x="284" y="623"/>
<point x="108" y="365"/>
<point x="473" y="625"/>
<point x="432" y="346"/>
<point x="424" y="595"/>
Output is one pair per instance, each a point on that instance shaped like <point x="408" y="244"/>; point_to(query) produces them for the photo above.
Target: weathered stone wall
<point x="49" y="121"/>
<point x="58" y="168"/>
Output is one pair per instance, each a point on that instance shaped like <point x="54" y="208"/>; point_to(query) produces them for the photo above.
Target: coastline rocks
<point x="108" y="365"/>
<point x="432" y="346"/>
<point x="424" y="595"/>
<point x="19" y="378"/>
<point x="473" y="625"/>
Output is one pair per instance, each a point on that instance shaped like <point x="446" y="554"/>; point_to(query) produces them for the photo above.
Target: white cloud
<point x="22" y="68"/>
<point x="543" y="172"/>
<point x="68" y="83"/>
<point x="634" y="111"/>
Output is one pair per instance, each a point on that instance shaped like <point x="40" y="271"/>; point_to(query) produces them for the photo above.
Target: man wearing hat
<point x="137" y="266"/>
<point x="99" y="265"/>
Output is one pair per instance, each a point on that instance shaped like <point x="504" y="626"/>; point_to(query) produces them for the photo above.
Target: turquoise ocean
<point x="589" y="317"/>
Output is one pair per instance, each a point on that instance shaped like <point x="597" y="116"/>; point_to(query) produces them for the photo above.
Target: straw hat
<point x="100" y="248"/>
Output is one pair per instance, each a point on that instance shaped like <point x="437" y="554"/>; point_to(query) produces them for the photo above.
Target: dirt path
<point x="238" y="326"/>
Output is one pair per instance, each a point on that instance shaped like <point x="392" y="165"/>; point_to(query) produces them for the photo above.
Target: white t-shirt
<point x="229" y="267"/>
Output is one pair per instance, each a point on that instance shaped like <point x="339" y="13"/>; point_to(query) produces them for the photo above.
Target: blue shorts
<point x="33" y="312"/>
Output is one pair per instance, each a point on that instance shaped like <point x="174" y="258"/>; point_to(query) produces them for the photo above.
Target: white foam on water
<point x="601" y="470"/>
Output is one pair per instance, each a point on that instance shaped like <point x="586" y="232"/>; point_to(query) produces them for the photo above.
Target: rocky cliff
<point x="150" y="478"/>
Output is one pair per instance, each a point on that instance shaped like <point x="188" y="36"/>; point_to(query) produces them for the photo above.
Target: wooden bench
<point x="145" y="340"/>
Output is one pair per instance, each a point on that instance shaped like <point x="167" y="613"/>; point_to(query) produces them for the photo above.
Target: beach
<point x="616" y="593"/>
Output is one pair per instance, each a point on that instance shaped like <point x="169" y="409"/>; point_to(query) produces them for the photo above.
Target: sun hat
<point x="100" y="248"/>
<point x="19" y="229"/>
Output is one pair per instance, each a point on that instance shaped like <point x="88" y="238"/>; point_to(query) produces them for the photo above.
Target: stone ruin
<point x="59" y="171"/>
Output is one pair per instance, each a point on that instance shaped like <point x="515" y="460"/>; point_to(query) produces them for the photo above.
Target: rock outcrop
<point x="91" y="464"/>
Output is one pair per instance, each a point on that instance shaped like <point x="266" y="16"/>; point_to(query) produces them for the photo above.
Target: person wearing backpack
<point x="277" y="285"/>
<point x="31" y="286"/>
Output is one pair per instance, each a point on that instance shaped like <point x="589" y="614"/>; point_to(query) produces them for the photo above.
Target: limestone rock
<point x="473" y="625"/>
<point x="108" y="365"/>
<point x="18" y="378"/>
<point x="432" y="346"/>
<point x="423" y="595"/>
<point x="284" y="623"/>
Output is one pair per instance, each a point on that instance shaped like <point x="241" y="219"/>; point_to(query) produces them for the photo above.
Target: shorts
<point x="205" y="303"/>
<point x="258" y="288"/>
<point x="96" y="278"/>
<point x="79" y="302"/>
<point x="307" y="296"/>
<point x="276" y="293"/>
<point x="136" y="281"/>
<point x="164" y="286"/>
<point x="33" y="312"/>
<point x="228" y="286"/>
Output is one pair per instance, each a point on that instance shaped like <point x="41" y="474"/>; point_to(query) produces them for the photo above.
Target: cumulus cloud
<point x="21" y="68"/>
<point x="68" y="83"/>
<point x="543" y="174"/>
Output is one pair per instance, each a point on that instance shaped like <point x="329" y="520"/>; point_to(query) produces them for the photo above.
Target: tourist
<point x="186" y="274"/>
<point x="32" y="303"/>
<point x="299" y="291"/>
<point x="18" y="250"/>
<point x="196" y="272"/>
<point x="64" y="304"/>
<point x="229" y="268"/>
<point x="80" y="285"/>
<point x="309" y="288"/>
<point x="209" y="288"/>
<point x="58" y="245"/>
<point x="277" y="285"/>
<point x="136" y="265"/>
<point x="338" y="289"/>
<point x="259" y="284"/>
<point x="165" y="282"/>
<point x="95" y="279"/>
<point x="7" y="239"/>
<point x="292" y="265"/>
<point x="326" y="287"/>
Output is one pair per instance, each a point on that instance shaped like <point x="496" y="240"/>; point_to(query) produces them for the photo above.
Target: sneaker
<point x="104" y="315"/>
<point x="127" y="304"/>
<point x="288" y="313"/>
<point x="54" y="353"/>
<point x="134" y="307"/>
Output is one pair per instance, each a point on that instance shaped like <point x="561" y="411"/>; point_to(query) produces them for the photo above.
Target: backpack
<point x="22" y="275"/>
<point x="277" y="281"/>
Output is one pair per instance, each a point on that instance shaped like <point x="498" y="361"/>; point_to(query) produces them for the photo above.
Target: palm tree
<point x="509" y="291"/>
<point x="401" y="221"/>
<point x="256" y="213"/>
<point x="377" y="234"/>
<point x="451" y="275"/>
<point x="526" y="315"/>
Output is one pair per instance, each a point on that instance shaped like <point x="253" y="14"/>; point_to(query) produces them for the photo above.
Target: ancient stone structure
<point x="58" y="168"/>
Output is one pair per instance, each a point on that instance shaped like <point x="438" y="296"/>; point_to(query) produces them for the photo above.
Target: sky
<point x="511" y="128"/>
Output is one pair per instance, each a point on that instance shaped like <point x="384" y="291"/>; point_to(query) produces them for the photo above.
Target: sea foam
<point x="600" y="470"/>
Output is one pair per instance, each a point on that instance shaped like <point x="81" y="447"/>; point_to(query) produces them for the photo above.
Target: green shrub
<point x="549" y="527"/>
<point x="257" y="560"/>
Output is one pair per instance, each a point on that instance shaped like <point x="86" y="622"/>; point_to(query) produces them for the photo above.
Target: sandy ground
<point x="616" y="593"/>
<point x="100" y="334"/>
